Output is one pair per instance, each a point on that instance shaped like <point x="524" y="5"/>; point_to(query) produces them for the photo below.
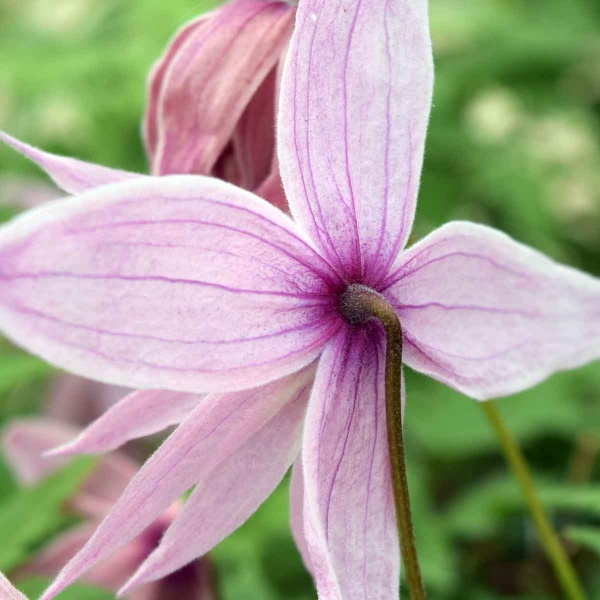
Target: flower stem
<point x="550" y="541"/>
<point x="360" y="304"/>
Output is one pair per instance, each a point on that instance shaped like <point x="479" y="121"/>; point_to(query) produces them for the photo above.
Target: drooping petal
<point x="297" y="513"/>
<point x="217" y="428"/>
<point x="182" y="283"/>
<point x="490" y="316"/>
<point x="349" y="515"/>
<point x="354" y="106"/>
<point x="25" y="443"/>
<point x="212" y="78"/>
<point x="272" y="191"/>
<point x="8" y="591"/>
<point x="137" y="415"/>
<point x="229" y="495"/>
<point x="71" y="175"/>
<point x="156" y="79"/>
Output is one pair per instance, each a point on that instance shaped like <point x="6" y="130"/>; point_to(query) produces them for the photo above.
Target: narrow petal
<point x="489" y="316"/>
<point x="355" y="101"/>
<point x="211" y="80"/>
<point x="209" y="436"/>
<point x="71" y="175"/>
<point x="8" y="591"/>
<point x="229" y="495"/>
<point x="297" y="513"/>
<point x="182" y="283"/>
<point x="349" y="514"/>
<point x="156" y="80"/>
<point x="25" y="443"/>
<point x="137" y="415"/>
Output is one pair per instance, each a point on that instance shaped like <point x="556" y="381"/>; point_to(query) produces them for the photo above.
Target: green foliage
<point x="30" y="516"/>
<point x="33" y="588"/>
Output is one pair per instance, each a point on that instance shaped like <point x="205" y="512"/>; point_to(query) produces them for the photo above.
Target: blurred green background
<point x="514" y="142"/>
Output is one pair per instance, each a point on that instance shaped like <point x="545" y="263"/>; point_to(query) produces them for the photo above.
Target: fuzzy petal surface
<point x="137" y="415"/>
<point x="71" y="175"/>
<point x="182" y="283"/>
<point x="350" y="523"/>
<point x="8" y="591"/>
<point x="230" y="494"/>
<point x="490" y="316"/>
<point x="354" y="106"/>
<point x="211" y="80"/>
<point x="216" y="429"/>
<point x="297" y="513"/>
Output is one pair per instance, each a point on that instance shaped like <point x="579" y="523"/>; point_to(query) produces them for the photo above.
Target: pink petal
<point x="271" y="189"/>
<point x="355" y="101"/>
<point x="71" y="175"/>
<point x="156" y="80"/>
<point x="137" y="415"/>
<point x="212" y="78"/>
<point x="209" y="436"/>
<point x="297" y="513"/>
<point x="8" y="591"/>
<point x="490" y="316"/>
<point x="80" y="401"/>
<point x="25" y="443"/>
<point x="182" y="283"/>
<point x="226" y="497"/>
<point x="350" y="523"/>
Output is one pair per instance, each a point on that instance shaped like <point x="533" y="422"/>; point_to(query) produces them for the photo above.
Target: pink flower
<point x="190" y="284"/>
<point x="25" y="442"/>
<point x="211" y="97"/>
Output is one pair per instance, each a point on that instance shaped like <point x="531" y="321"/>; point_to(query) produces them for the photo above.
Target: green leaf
<point x="30" y="516"/>
<point x="33" y="588"/>
<point x="20" y="368"/>
<point x="585" y="536"/>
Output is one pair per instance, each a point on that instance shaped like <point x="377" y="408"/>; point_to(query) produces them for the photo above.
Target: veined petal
<point x="8" y="591"/>
<point x="212" y="78"/>
<point x="297" y="513"/>
<point x="354" y="107"/>
<point x="489" y="316"/>
<point x="71" y="175"/>
<point x="25" y="443"/>
<point x="137" y="415"/>
<point x="216" y="429"/>
<point x="181" y="283"/>
<point x="156" y="79"/>
<point x="229" y="495"/>
<point x="350" y="523"/>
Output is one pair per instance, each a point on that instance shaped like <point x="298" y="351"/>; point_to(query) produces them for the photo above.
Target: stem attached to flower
<point x="360" y="304"/>
<point x="555" y="552"/>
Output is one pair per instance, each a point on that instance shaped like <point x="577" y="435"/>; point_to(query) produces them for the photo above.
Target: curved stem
<point x="360" y="304"/>
<point x="555" y="552"/>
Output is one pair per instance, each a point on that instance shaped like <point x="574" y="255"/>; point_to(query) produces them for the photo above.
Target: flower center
<point x="357" y="303"/>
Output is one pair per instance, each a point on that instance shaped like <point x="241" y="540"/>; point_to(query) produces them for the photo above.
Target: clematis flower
<point x="24" y="443"/>
<point x="211" y="97"/>
<point x="189" y="284"/>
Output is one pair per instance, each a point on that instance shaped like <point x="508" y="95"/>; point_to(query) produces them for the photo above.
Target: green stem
<point x="360" y="304"/>
<point x="555" y="552"/>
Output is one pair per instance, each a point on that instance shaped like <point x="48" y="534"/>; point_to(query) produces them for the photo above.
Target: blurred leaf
<point x="21" y="368"/>
<point x="585" y="536"/>
<point x="30" y="516"/>
<point x="33" y="588"/>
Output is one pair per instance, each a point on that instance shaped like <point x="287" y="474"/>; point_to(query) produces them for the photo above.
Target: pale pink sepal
<point x="180" y="282"/>
<point x="71" y="175"/>
<point x="297" y="513"/>
<point x="350" y="523"/>
<point x="489" y="316"/>
<point x="354" y="107"/>
<point x="211" y="79"/>
<point x="137" y="415"/>
<point x="8" y="591"/>
<point x="218" y="427"/>
<point x="230" y="494"/>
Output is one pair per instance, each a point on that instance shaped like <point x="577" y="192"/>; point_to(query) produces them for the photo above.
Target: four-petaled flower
<point x="193" y="285"/>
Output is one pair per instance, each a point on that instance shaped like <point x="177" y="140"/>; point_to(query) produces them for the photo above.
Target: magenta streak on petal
<point x="42" y="315"/>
